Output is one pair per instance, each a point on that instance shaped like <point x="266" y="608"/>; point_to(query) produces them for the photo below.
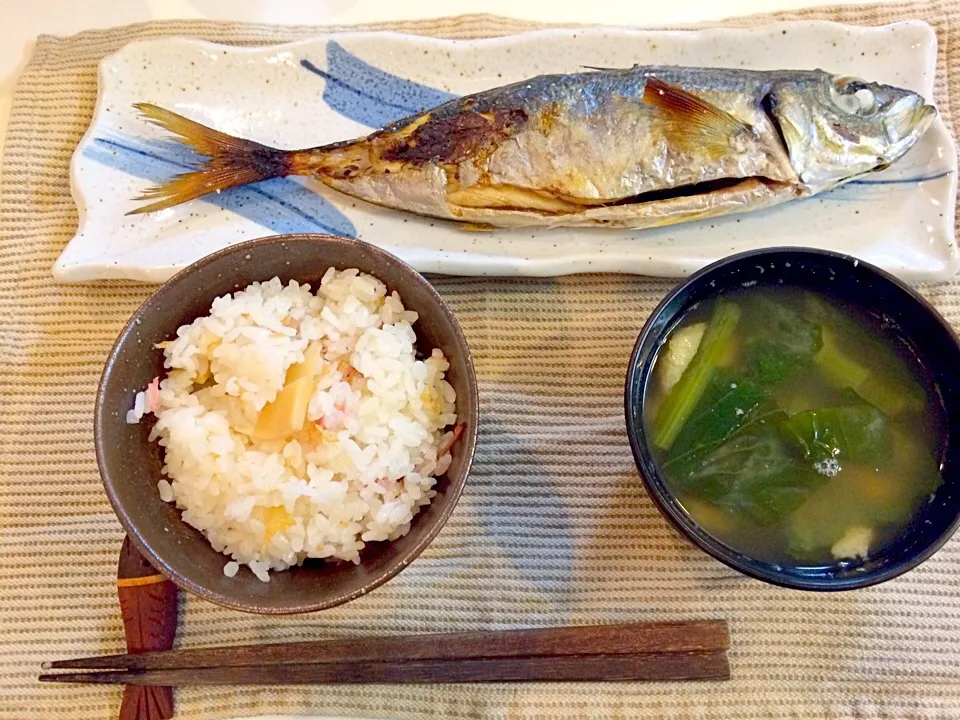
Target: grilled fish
<point x="633" y="148"/>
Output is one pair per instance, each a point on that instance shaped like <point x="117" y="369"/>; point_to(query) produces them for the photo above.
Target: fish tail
<point x="231" y="161"/>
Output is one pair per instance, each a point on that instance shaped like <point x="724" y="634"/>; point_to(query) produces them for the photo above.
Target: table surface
<point x="22" y="20"/>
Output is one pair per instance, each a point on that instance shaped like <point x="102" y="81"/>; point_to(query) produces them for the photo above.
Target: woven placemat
<point x="553" y="527"/>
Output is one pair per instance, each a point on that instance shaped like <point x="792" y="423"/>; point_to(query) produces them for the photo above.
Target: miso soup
<point x="793" y="427"/>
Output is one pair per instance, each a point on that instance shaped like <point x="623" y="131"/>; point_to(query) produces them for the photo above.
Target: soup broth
<point x="795" y="428"/>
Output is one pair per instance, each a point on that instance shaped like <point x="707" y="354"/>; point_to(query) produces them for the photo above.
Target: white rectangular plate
<point x="336" y="87"/>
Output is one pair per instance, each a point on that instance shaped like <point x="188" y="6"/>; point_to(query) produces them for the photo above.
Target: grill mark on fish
<point x="453" y="138"/>
<point x="547" y="117"/>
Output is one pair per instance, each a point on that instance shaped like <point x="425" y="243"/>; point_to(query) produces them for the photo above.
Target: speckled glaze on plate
<point x="336" y="87"/>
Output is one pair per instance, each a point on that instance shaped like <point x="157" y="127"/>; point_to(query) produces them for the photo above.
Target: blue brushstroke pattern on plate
<point x="369" y="95"/>
<point x="280" y="205"/>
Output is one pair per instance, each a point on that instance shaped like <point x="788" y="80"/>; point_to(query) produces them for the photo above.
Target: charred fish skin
<point x="635" y="148"/>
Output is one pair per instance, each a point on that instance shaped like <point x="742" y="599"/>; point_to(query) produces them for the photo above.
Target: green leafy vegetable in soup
<point x="781" y="341"/>
<point x="754" y="473"/>
<point x="794" y="428"/>
<point x="860" y="433"/>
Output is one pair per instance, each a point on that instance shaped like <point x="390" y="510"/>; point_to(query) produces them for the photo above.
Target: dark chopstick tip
<point x="87" y="677"/>
<point x="46" y="665"/>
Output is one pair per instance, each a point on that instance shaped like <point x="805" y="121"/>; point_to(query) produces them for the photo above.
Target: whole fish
<point x="635" y="148"/>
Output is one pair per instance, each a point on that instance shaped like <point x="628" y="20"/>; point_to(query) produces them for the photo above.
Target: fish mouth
<point x="924" y="117"/>
<point x="916" y="119"/>
<point x="909" y="118"/>
<point x="906" y="127"/>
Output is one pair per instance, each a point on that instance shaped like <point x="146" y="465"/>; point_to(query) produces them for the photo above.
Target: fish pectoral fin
<point x="695" y="121"/>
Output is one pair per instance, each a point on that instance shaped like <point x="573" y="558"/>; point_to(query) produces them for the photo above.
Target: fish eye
<point x="853" y="96"/>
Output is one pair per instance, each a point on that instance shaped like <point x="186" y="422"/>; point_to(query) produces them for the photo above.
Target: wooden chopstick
<point x="697" y="636"/>
<point x="603" y="668"/>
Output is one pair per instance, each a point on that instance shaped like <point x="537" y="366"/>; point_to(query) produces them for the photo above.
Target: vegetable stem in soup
<point x="688" y="391"/>
<point x="795" y="428"/>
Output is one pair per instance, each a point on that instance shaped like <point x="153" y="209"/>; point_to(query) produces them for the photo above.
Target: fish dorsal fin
<point x="694" y="121"/>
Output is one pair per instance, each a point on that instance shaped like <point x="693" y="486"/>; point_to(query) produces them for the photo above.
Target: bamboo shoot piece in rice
<point x="311" y="366"/>
<point x="287" y="414"/>
<point x="301" y="425"/>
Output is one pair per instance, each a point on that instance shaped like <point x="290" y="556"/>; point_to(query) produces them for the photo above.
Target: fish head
<point x="838" y="127"/>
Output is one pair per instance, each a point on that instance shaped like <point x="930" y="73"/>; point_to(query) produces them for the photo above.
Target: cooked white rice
<point x="366" y="460"/>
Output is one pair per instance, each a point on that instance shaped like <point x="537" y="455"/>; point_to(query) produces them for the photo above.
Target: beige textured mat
<point x="553" y="526"/>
